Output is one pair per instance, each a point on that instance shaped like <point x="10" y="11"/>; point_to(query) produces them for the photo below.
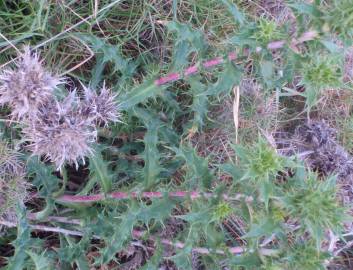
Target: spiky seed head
<point x="26" y="87"/>
<point x="102" y="107"/>
<point x="13" y="187"/>
<point x="60" y="133"/>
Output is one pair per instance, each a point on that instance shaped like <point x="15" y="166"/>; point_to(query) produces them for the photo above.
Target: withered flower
<point x="61" y="133"/>
<point x="102" y="107"/>
<point x="26" y="87"/>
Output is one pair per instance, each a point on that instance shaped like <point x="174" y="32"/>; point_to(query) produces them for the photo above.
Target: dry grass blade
<point x="82" y="62"/>
<point x="236" y="101"/>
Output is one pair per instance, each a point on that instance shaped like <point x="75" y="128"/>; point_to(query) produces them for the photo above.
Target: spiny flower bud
<point x="26" y="87"/>
<point x="100" y="108"/>
<point x="13" y="187"/>
<point x="60" y="132"/>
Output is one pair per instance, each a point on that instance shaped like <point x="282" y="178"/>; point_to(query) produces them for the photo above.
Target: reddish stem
<point x="274" y="45"/>
<point x="169" y="78"/>
<point x="213" y="62"/>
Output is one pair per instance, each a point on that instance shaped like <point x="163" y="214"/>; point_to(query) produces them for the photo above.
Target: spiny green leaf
<point x="266" y="228"/>
<point x="229" y="77"/>
<point x="197" y="216"/>
<point x="331" y="46"/>
<point x="267" y="72"/>
<point x="140" y="94"/>
<point x="248" y="260"/>
<point x="188" y="40"/>
<point x="166" y="131"/>
<point x="43" y="178"/>
<point x="182" y="257"/>
<point x="198" y="171"/>
<point x="234" y="10"/>
<point x="97" y="72"/>
<point x="266" y="191"/>
<point x="151" y="156"/>
<point x="233" y="170"/>
<point x="304" y="8"/>
<point x="72" y="249"/>
<point x="99" y="171"/>
<point x="199" y="102"/>
<point x="154" y="261"/>
<point x="21" y="243"/>
<point x="41" y="261"/>
<point x="158" y="210"/>
<point x="111" y="53"/>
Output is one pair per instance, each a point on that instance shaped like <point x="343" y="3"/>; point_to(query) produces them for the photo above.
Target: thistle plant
<point x="27" y="87"/>
<point x="154" y="179"/>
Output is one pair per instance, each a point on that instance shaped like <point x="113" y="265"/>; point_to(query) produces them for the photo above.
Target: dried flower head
<point x="60" y="133"/>
<point x="100" y="108"/>
<point x="26" y="87"/>
<point x="13" y="187"/>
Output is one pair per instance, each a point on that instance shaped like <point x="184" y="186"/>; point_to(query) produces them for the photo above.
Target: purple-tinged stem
<point x="193" y="69"/>
<point x="169" y="78"/>
<point x="213" y="62"/>
<point x="274" y="45"/>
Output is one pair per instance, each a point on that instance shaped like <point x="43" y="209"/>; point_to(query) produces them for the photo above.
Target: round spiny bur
<point x="60" y="133"/>
<point x="26" y="87"/>
<point x="13" y="187"/>
<point x="100" y="108"/>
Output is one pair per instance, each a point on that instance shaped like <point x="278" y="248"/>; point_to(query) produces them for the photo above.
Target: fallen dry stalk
<point x="140" y="234"/>
<point x="145" y="195"/>
<point x="44" y="228"/>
